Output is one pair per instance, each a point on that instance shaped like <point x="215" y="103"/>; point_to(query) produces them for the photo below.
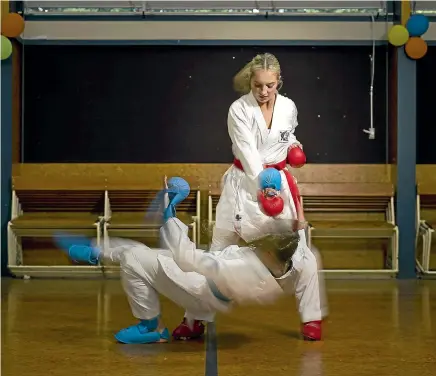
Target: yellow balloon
<point x="6" y="47"/>
<point x="398" y="35"/>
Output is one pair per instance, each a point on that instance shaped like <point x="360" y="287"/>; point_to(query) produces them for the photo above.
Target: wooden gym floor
<point x="65" y="328"/>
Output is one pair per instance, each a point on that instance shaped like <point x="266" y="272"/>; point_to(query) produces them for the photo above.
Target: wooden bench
<point x="344" y="210"/>
<point x="352" y="210"/>
<point x="426" y="218"/>
<point x="90" y="200"/>
<point x="41" y="208"/>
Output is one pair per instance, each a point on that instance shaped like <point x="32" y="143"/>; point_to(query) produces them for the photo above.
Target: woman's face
<point x="264" y="85"/>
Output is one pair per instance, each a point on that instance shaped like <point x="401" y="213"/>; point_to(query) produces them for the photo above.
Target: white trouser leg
<point x="222" y="239"/>
<point x="143" y="278"/>
<point x="305" y="282"/>
<point x="115" y="247"/>
<point x="321" y="282"/>
<point x="138" y="282"/>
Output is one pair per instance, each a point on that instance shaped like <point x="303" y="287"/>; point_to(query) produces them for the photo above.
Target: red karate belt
<point x="281" y="166"/>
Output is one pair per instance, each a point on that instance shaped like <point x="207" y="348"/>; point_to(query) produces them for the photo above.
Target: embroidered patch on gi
<point x="284" y="136"/>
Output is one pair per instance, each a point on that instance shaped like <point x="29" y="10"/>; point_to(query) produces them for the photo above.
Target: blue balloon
<point x="417" y="25"/>
<point x="270" y="178"/>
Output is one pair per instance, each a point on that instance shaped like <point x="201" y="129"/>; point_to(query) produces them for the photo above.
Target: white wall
<point x="207" y="30"/>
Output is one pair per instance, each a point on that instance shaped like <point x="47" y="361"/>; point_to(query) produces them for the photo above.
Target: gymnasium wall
<point x="131" y="97"/>
<point x="134" y="103"/>
<point x="143" y="104"/>
<point x="426" y="123"/>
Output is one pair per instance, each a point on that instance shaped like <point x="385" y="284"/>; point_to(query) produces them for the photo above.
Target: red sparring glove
<point x="271" y="205"/>
<point x="296" y="157"/>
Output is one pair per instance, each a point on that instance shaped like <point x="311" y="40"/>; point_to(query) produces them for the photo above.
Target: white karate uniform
<point x="189" y="276"/>
<point x="238" y="213"/>
<point x="255" y="146"/>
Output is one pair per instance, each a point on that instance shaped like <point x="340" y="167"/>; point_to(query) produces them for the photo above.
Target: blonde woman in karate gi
<point x="261" y="125"/>
<point x="201" y="282"/>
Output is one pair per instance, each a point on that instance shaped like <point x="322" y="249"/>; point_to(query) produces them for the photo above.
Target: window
<point x="425" y="7"/>
<point x="205" y="7"/>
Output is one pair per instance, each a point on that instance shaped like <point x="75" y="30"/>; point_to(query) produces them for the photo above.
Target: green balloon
<point x="6" y="48"/>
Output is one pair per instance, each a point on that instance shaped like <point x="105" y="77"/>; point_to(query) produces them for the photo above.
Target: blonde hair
<point x="267" y="61"/>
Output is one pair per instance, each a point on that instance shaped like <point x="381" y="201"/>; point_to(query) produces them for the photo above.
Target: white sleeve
<point x="174" y="234"/>
<point x="245" y="147"/>
<point x="293" y="125"/>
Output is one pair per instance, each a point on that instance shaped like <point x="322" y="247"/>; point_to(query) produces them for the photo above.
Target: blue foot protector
<point x="79" y="248"/>
<point x="142" y="333"/>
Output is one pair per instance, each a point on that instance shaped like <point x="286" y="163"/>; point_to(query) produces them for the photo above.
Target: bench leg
<point x="15" y="249"/>
<point x="197" y="225"/>
<point x="427" y="251"/>
<point x="309" y="237"/>
<point x="105" y="236"/>
<point x="421" y="246"/>
<point x="425" y="240"/>
<point x="394" y="245"/>
<point x="98" y="231"/>
<point x="12" y="248"/>
<point x="193" y="227"/>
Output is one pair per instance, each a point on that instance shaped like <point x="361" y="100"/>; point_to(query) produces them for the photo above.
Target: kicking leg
<point x="192" y="325"/>
<point x="144" y="277"/>
<point x="138" y="277"/>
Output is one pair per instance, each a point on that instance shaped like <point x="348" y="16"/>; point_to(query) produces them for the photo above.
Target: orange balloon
<point x="12" y="25"/>
<point x="416" y="48"/>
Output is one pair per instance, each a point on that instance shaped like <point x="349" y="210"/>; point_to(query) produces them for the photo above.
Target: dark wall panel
<point x="169" y="104"/>
<point x="426" y="84"/>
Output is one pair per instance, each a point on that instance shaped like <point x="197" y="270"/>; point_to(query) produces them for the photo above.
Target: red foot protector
<point x="183" y="331"/>
<point x="312" y="331"/>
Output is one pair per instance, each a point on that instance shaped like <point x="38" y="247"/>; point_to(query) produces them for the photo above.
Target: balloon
<point x="12" y="25"/>
<point x="416" y="48"/>
<point x="398" y="35"/>
<point x="6" y="46"/>
<point x="417" y="25"/>
<point x="296" y="157"/>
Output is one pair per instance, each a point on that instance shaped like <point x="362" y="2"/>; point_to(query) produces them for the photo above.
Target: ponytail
<point x="242" y="80"/>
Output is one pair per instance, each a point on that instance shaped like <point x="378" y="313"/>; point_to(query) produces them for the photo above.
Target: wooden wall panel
<point x="200" y="176"/>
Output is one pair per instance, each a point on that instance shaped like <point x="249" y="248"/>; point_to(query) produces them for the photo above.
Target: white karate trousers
<point x="305" y="280"/>
<point x="144" y="275"/>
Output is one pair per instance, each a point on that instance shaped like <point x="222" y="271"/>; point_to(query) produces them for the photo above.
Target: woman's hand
<point x="296" y="145"/>
<point x="299" y="225"/>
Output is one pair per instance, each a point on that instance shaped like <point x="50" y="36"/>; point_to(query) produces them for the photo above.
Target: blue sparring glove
<point x="178" y="189"/>
<point x="270" y="178"/>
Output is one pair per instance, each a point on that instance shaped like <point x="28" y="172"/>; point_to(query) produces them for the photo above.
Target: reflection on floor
<point x="66" y="327"/>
